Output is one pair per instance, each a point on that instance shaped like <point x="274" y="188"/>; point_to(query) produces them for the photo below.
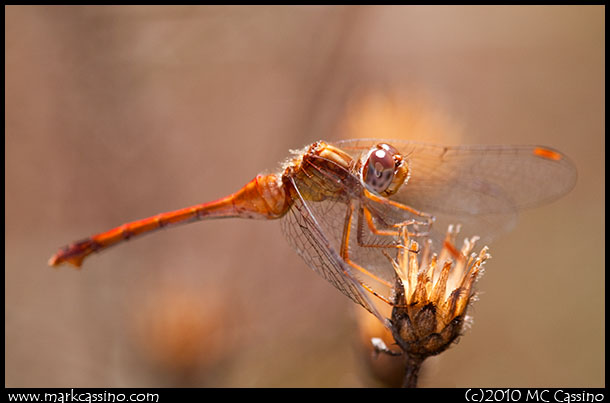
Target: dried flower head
<point x="432" y="295"/>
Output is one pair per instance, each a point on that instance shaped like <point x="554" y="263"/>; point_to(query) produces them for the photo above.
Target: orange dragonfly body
<point x="343" y="205"/>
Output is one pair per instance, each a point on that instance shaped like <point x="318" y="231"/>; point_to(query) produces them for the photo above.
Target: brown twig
<point x="412" y="366"/>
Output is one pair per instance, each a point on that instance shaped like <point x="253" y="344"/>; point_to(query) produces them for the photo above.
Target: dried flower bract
<point x="432" y="294"/>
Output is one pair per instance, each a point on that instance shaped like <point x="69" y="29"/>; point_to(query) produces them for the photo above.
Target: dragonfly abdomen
<point x="264" y="197"/>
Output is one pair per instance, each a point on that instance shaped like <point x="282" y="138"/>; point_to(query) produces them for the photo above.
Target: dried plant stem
<point x="412" y="367"/>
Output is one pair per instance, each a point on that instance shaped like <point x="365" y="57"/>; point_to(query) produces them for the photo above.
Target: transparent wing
<point x="314" y="230"/>
<point x="481" y="187"/>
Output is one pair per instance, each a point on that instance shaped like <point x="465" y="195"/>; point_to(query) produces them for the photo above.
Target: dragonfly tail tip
<point x="53" y="261"/>
<point x="56" y="261"/>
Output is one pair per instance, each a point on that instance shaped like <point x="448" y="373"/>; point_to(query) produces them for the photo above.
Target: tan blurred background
<point x="118" y="113"/>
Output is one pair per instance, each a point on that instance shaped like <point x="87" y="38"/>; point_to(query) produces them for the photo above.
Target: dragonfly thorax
<point x="323" y="172"/>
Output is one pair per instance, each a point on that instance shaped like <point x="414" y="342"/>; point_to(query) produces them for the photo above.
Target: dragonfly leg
<point x="345" y="256"/>
<point x="427" y="217"/>
<point x="366" y="216"/>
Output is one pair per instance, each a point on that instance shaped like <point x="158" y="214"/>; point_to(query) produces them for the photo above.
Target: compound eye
<point x="379" y="170"/>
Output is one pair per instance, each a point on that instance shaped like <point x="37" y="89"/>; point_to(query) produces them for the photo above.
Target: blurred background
<point x="118" y="113"/>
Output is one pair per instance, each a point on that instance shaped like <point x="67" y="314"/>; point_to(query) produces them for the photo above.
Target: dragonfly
<point x="343" y="205"/>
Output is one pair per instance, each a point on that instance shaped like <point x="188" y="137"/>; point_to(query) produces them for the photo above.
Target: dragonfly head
<point x="385" y="170"/>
